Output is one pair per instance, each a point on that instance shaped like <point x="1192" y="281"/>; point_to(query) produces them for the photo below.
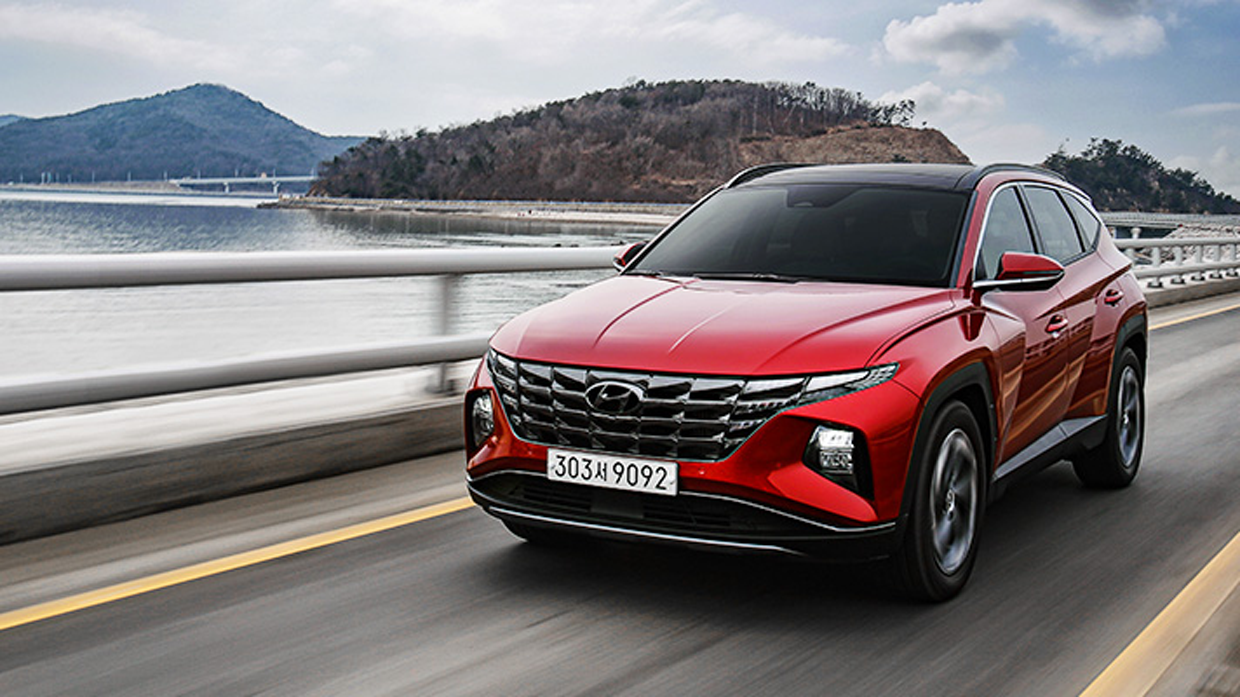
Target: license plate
<point x="612" y="472"/>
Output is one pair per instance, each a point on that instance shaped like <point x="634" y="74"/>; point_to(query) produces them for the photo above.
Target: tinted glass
<point x="1006" y="231"/>
<point x="1055" y="227"/>
<point x="1086" y="221"/>
<point x="816" y="232"/>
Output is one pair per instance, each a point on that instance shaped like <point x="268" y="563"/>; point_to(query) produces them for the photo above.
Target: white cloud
<point x="1221" y="169"/>
<point x="986" y="142"/>
<point x="975" y="37"/>
<point x="936" y="104"/>
<point x="1210" y="109"/>
<point x="120" y="32"/>
<point x="552" y="31"/>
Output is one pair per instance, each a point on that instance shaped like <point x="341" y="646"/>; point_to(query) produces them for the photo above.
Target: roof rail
<point x="970" y="179"/>
<point x="762" y="170"/>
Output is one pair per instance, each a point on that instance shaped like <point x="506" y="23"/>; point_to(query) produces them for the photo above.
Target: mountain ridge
<point x="662" y="142"/>
<point x="199" y="130"/>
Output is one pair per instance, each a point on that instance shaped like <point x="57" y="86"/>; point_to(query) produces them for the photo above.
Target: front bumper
<point x="693" y="519"/>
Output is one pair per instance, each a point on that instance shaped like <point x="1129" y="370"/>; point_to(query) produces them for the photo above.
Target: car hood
<point x="684" y="325"/>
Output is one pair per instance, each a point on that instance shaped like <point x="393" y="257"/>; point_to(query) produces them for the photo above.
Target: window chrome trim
<point x="1037" y="240"/>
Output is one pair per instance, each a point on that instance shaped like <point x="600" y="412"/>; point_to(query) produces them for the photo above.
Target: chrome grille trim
<point x="682" y="417"/>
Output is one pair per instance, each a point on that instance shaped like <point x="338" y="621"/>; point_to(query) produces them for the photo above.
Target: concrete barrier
<point x="44" y="500"/>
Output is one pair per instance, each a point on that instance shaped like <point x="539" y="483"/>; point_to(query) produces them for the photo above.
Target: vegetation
<point x="7" y="119"/>
<point x="669" y="141"/>
<point x="206" y="130"/>
<point x="1126" y="178"/>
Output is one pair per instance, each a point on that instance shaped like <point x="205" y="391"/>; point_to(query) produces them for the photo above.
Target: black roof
<point x="923" y="176"/>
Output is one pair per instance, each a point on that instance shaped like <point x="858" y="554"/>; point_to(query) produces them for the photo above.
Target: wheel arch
<point x="970" y="385"/>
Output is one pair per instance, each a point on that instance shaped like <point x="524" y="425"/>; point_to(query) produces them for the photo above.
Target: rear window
<point x="1055" y="226"/>
<point x="1086" y="221"/>
<point x="826" y="232"/>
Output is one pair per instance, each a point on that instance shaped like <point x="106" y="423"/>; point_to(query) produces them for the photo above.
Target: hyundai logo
<point x="612" y="397"/>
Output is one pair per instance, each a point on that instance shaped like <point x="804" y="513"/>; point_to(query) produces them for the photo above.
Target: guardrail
<point x="66" y="272"/>
<point x="1175" y="260"/>
<point x="1195" y="258"/>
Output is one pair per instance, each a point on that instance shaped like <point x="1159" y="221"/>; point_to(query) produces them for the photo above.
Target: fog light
<point x="831" y="453"/>
<point x="481" y="419"/>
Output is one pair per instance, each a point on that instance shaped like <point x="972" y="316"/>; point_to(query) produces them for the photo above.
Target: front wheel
<point x="1114" y="463"/>
<point x="939" y="548"/>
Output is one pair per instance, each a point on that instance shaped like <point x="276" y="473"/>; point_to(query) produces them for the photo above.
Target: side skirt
<point x="1064" y="440"/>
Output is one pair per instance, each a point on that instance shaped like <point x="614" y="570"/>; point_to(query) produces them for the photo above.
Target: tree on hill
<point x="1123" y="177"/>
<point x="668" y="141"/>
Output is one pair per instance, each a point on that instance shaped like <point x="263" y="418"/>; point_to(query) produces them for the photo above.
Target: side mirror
<point x="627" y="255"/>
<point x="1021" y="271"/>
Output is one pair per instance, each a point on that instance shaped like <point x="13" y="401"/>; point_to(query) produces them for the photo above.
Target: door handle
<point x="1057" y="324"/>
<point x="1113" y="297"/>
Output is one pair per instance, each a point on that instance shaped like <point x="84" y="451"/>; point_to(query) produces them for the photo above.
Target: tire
<point x="939" y="548"/>
<point x="541" y="537"/>
<point x="1114" y="463"/>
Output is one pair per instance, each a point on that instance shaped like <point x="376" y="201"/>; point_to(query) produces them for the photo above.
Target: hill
<point x="7" y="119"/>
<point x="206" y="130"/>
<point x="670" y="141"/>
<point x="1126" y="178"/>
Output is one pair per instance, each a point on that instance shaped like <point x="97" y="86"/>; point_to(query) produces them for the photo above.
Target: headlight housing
<point x="481" y="418"/>
<point x="819" y="388"/>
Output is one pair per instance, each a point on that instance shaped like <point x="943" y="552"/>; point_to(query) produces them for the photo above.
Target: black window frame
<point x="1037" y="233"/>
<point x="1067" y="197"/>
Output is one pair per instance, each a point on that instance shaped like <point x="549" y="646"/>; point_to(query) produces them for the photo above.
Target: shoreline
<point x="651" y="214"/>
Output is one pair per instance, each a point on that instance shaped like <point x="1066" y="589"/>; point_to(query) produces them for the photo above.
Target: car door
<point x="1029" y="329"/>
<point x="1085" y="277"/>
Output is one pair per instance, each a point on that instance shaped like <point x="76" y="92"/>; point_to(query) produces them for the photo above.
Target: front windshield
<point x="820" y="232"/>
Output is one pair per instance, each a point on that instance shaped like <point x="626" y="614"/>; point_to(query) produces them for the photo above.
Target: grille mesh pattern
<point x="681" y="417"/>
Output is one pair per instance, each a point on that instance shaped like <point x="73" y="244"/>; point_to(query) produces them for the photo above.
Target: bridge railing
<point x="69" y="272"/>
<point x="1157" y="260"/>
<point x="1177" y="260"/>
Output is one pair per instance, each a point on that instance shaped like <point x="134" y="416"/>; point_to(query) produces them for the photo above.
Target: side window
<point x="1086" y="221"/>
<point x="1006" y="231"/>
<point x="1054" y="224"/>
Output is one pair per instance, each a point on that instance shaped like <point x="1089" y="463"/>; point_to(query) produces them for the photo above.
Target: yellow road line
<point x="129" y="589"/>
<point x="1140" y="665"/>
<point x="1144" y="661"/>
<point x="1190" y="318"/>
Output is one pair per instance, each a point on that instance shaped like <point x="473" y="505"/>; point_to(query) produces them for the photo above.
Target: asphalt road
<point x="454" y="605"/>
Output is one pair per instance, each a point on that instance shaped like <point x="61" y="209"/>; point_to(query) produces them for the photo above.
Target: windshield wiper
<point x="747" y="276"/>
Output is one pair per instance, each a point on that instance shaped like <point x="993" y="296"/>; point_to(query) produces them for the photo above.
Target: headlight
<point x="481" y="419"/>
<point x="839" y="455"/>
<point x="820" y="388"/>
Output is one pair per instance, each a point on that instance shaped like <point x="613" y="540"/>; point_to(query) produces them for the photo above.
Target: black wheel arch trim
<point x="974" y="375"/>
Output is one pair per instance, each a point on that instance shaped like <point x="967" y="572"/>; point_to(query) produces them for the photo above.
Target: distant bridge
<point x="229" y="182"/>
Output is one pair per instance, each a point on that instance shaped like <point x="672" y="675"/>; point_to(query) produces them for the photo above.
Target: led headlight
<point x="839" y="455"/>
<point x="819" y="388"/>
<point x="481" y="418"/>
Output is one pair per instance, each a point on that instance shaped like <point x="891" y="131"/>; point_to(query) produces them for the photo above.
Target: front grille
<point x="681" y="417"/>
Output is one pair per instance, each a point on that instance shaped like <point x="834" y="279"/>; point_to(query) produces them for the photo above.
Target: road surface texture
<point x="454" y="605"/>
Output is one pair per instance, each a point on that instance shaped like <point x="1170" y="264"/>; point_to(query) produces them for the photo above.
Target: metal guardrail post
<point x="449" y="284"/>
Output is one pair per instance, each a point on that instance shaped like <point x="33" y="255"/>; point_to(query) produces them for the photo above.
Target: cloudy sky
<point x="1008" y="80"/>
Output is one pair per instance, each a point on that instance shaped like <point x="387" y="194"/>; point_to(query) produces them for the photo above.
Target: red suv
<point x="837" y="361"/>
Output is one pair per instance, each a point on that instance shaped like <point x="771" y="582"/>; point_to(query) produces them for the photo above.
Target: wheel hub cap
<point x="953" y="501"/>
